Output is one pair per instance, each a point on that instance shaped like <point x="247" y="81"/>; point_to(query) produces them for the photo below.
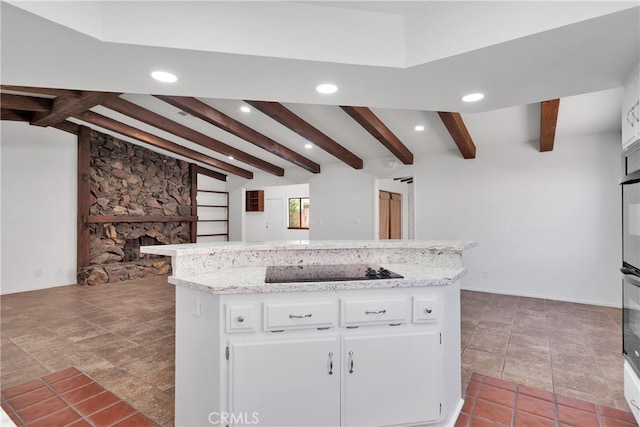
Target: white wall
<point x="342" y="204"/>
<point x="255" y="222"/>
<point x="38" y="221"/>
<point x="548" y="224"/>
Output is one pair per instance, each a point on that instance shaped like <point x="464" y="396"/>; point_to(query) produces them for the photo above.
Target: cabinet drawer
<point x="426" y="310"/>
<point x="241" y="318"/>
<point x="374" y="311"/>
<point x="322" y="314"/>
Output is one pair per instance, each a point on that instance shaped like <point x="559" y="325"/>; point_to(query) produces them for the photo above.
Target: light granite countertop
<point x="206" y="248"/>
<point x="243" y="280"/>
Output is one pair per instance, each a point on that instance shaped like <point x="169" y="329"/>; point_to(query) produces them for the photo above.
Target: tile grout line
<point x="515" y="400"/>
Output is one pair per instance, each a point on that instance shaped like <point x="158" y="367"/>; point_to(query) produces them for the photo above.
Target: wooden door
<point x="390" y="215"/>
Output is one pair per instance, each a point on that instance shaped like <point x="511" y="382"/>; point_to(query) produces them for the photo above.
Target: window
<point x="299" y="213"/>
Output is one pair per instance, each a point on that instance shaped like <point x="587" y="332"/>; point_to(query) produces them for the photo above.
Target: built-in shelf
<point x="255" y="201"/>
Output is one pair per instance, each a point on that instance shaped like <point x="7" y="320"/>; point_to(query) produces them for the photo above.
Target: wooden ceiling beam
<point x="548" y="120"/>
<point x="68" y="126"/>
<point x="372" y="124"/>
<point x="15" y="115"/>
<point x="43" y="91"/>
<point x="25" y="103"/>
<point x="156" y="141"/>
<point x="149" y="117"/>
<point x="211" y="174"/>
<point x="209" y="114"/>
<point x="458" y="131"/>
<point x="285" y="117"/>
<point x="65" y="107"/>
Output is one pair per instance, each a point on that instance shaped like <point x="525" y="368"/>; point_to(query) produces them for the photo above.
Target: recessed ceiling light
<point x="308" y="146"/>
<point x="245" y="109"/>
<point x="327" y="88"/>
<point x="419" y="128"/>
<point x="473" y="97"/>
<point x="164" y="76"/>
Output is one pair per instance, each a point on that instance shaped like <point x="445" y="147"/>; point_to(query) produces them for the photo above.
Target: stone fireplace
<point x="138" y="198"/>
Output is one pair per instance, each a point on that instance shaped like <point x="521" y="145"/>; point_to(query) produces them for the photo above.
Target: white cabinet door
<point x="632" y="390"/>
<point x="293" y="382"/>
<point x="391" y="379"/>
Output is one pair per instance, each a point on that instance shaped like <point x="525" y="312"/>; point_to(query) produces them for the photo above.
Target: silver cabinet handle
<point x="428" y="310"/>
<point x="330" y="363"/>
<point x="240" y="319"/>
<point x="633" y="402"/>
<point x="383" y="311"/>
<point x="299" y="316"/>
<point x="351" y="362"/>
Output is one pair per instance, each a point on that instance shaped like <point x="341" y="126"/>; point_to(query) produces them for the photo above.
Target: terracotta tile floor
<point x="122" y="336"/>
<point x="68" y="398"/>
<point x="494" y="402"/>
<point x="574" y="350"/>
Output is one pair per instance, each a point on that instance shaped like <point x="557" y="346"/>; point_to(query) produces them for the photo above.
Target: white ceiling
<point x="405" y="60"/>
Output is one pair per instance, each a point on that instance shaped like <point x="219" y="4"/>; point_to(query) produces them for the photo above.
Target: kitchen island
<point x="349" y="333"/>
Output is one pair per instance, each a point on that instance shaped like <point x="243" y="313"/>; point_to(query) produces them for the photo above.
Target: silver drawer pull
<point x="351" y="362"/>
<point x="383" y="311"/>
<point x="330" y="363"/>
<point x="428" y="310"/>
<point x="633" y="402"/>
<point x="299" y="316"/>
<point x="240" y="319"/>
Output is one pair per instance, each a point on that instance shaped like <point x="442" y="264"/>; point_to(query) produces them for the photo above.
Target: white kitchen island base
<point x="359" y="353"/>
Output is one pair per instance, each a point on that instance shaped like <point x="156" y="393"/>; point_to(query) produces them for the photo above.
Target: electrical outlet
<point x="197" y="306"/>
<point x="37" y="272"/>
<point x="485" y="274"/>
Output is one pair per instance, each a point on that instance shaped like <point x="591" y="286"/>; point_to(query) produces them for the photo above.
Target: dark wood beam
<point x="68" y="126"/>
<point x="65" y="107"/>
<point x="211" y="174"/>
<point x="193" y="177"/>
<point x="372" y="124"/>
<point x="25" y="103"/>
<point x="548" y="121"/>
<point x="149" y="117"/>
<point x="285" y="117"/>
<point x="156" y="141"/>
<point x="101" y="219"/>
<point x="458" y="131"/>
<point x="15" y="115"/>
<point x="217" y="118"/>
<point x="84" y="196"/>
<point x="42" y="90"/>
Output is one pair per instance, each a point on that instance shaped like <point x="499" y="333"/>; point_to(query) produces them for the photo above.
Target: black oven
<point x="631" y="256"/>
<point x="631" y="208"/>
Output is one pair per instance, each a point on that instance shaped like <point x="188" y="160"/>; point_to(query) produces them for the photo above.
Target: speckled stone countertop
<point x="244" y="280"/>
<point x="200" y="258"/>
<point x="206" y="248"/>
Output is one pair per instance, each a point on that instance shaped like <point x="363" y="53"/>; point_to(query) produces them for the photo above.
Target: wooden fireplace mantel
<point x="100" y="219"/>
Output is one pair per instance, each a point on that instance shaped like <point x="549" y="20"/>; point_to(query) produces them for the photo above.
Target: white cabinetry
<point x="375" y="357"/>
<point x="632" y="390"/>
<point x="380" y="369"/>
<point x="631" y="110"/>
<point x="292" y="382"/>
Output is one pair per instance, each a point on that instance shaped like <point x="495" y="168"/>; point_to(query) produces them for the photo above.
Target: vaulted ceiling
<point x="560" y="75"/>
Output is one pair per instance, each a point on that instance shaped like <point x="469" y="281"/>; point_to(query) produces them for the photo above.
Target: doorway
<point x="390" y="215"/>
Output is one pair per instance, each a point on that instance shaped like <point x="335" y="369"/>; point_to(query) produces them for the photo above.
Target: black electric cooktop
<point x="327" y="273"/>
